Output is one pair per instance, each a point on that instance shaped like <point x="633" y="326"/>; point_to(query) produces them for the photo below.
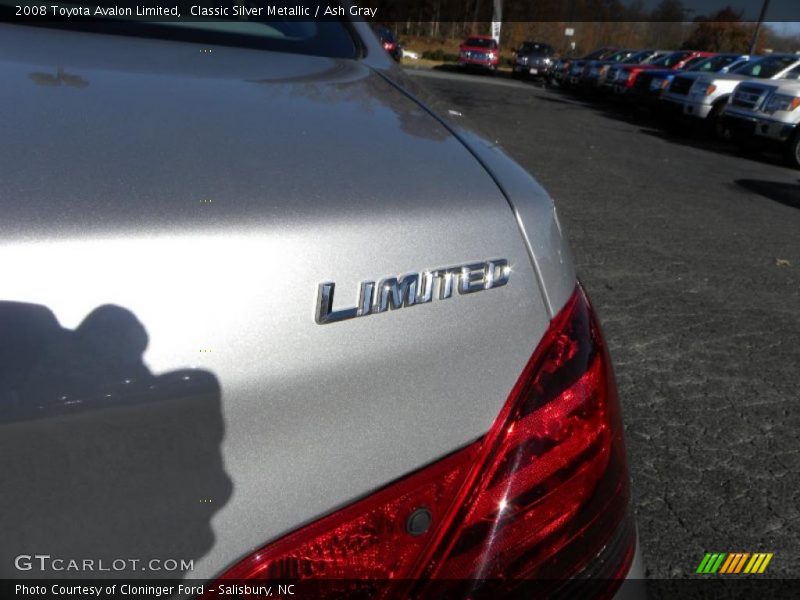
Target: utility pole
<point x="754" y="41"/>
<point x="569" y="30"/>
<point x="497" y="19"/>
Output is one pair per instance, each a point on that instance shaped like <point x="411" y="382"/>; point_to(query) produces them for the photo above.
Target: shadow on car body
<point x="102" y="459"/>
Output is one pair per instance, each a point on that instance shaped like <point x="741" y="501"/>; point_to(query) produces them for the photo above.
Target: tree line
<point x="595" y="23"/>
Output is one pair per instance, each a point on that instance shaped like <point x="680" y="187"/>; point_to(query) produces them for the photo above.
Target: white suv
<point x="703" y="96"/>
<point x="761" y="114"/>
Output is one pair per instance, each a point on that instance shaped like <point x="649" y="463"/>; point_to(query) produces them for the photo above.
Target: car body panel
<point x="537" y="219"/>
<point x="208" y="217"/>
<point x="533" y="207"/>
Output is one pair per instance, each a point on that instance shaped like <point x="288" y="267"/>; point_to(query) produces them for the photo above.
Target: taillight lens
<point x="369" y="539"/>
<point x="538" y="497"/>
<point x="553" y="478"/>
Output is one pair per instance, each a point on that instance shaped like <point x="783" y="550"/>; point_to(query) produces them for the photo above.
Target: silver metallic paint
<point x="208" y="195"/>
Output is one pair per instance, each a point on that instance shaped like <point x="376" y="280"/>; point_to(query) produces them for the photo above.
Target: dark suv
<point x="533" y="59"/>
<point x="389" y="43"/>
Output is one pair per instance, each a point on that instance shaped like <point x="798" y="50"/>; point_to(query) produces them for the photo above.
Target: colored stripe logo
<point x="734" y="563"/>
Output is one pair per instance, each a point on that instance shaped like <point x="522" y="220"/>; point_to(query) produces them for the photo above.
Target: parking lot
<point x="691" y="253"/>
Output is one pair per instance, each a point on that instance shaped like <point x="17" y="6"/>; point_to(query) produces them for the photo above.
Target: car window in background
<point x="737" y="63"/>
<point x="670" y="60"/>
<point x="694" y="61"/>
<point x="767" y="67"/>
<point x="330" y="38"/>
<point x="713" y="64"/>
<point x="385" y="34"/>
<point x="533" y="48"/>
<point x="480" y="42"/>
<point x="597" y="54"/>
<point x="792" y="73"/>
<point x="618" y="56"/>
<point x="638" y="57"/>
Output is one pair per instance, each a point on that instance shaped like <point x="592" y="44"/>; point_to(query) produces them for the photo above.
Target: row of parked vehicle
<point x="750" y="100"/>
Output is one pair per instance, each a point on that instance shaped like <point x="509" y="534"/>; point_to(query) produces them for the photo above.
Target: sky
<point x="778" y="11"/>
<point x="785" y="27"/>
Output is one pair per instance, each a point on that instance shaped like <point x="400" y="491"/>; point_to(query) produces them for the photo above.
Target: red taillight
<point x="388" y="46"/>
<point x="552" y="476"/>
<point x="369" y="539"/>
<point x="538" y="497"/>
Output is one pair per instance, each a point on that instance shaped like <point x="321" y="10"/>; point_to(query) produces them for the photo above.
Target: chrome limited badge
<point x="393" y="293"/>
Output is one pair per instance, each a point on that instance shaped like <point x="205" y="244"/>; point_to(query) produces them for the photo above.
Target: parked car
<point x="593" y="71"/>
<point x="562" y="69"/>
<point x="634" y="80"/>
<point x="389" y="43"/>
<point x="650" y="83"/>
<point x="533" y="59"/>
<point x="718" y="63"/>
<point x="761" y="114"/>
<point x="431" y="403"/>
<point x="481" y="51"/>
<point x="574" y="68"/>
<point x="702" y="96"/>
<point x="642" y="57"/>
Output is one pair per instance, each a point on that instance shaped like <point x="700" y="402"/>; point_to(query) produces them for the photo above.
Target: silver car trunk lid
<point x="200" y="199"/>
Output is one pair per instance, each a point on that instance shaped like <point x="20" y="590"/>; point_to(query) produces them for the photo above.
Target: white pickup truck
<point x="703" y="96"/>
<point x="766" y="114"/>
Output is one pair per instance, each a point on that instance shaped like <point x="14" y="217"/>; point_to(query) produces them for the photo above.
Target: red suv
<point x="479" y="51"/>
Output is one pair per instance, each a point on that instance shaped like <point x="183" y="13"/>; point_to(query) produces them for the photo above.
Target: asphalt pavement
<point x="691" y="254"/>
